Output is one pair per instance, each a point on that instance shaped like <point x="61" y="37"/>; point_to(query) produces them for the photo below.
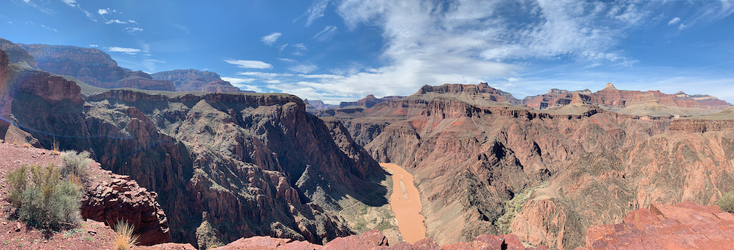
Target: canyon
<point x="489" y="169"/>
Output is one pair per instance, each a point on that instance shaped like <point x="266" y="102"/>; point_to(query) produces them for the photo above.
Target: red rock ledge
<point x="376" y="240"/>
<point x="683" y="226"/>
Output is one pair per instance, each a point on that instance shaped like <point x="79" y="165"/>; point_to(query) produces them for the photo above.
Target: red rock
<point x="685" y="225"/>
<point x="16" y="54"/>
<point x="367" y="102"/>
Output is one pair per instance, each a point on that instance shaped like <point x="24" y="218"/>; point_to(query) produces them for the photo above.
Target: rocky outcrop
<point x="701" y="125"/>
<point x="612" y="98"/>
<point x="685" y="225"/>
<point x="122" y="199"/>
<point x="468" y="93"/>
<point x="194" y="80"/>
<point x="368" y="101"/>
<point x="16" y="54"/>
<point x="375" y="240"/>
<point x="91" y="66"/>
<point x="319" y="104"/>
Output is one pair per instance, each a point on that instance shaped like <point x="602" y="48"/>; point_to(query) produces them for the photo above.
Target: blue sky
<point x="340" y="50"/>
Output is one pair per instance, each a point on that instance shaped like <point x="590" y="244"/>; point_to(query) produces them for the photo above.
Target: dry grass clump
<point x="726" y="202"/>
<point x="42" y="199"/>
<point x="125" y="238"/>
<point x="27" y="145"/>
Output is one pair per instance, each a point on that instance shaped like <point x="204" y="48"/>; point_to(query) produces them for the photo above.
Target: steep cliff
<point x="16" y="54"/>
<point x="367" y="102"/>
<point x="194" y="80"/>
<point x="632" y="102"/>
<point x="225" y="165"/>
<point x="91" y="66"/>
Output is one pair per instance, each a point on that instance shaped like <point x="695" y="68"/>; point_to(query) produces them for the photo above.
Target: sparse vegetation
<point x="26" y="145"/>
<point x="514" y="206"/>
<point x="125" y="238"/>
<point x="55" y="150"/>
<point x="726" y="202"/>
<point x="42" y="199"/>
<point x="75" y="166"/>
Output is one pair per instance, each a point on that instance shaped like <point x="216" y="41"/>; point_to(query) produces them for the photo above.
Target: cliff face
<point x="194" y="80"/>
<point x="225" y="165"/>
<point x="563" y="170"/>
<point x="366" y="102"/>
<point x="16" y="54"/>
<point x="91" y="66"/>
<point x="630" y="102"/>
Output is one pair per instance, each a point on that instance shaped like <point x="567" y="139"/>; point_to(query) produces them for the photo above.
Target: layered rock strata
<point x="194" y="80"/>
<point x="685" y="225"/>
<point x="122" y="199"/>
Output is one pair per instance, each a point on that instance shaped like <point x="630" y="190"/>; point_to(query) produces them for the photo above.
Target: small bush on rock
<point x="74" y="165"/>
<point x="42" y="199"/>
<point x="726" y="202"/>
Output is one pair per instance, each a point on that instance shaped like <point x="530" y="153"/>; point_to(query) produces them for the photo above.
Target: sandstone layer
<point x="16" y="54"/>
<point x="685" y="225"/>
<point x="653" y="102"/>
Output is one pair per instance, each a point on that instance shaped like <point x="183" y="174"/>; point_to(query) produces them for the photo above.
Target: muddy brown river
<point x="406" y="204"/>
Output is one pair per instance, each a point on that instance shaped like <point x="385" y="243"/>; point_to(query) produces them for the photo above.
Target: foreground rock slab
<point x="376" y="240"/>
<point x="682" y="226"/>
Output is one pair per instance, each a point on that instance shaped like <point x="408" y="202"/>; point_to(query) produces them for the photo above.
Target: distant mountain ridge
<point x="91" y="66"/>
<point x="195" y="80"/>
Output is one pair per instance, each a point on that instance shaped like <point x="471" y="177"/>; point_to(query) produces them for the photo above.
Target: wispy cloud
<point x="270" y="39"/>
<point x="45" y="27"/>
<point x="326" y="34"/>
<point x="93" y="45"/>
<point x="300" y="49"/>
<point x="288" y="60"/>
<point x="151" y="64"/>
<point x="241" y="83"/>
<point x="129" y="51"/>
<point x="71" y="3"/>
<point x="249" y="64"/>
<point x="682" y="26"/>
<point x="133" y="30"/>
<point x="303" y="68"/>
<point x="674" y="21"/>
<point x="115" y="21"/>
<point x="102" y="12"/>
<point x="263" y="74"/>
<point x="316" y="11"/>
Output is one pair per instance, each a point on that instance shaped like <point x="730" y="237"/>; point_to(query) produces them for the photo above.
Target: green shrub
<point x="74" y="165"/>
<point x="726" y="202"/>
<point x="44" y="200"/>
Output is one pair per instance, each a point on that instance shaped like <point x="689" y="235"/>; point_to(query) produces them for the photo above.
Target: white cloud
<point x="263" y="74"/>
<point x="102" y="12"/>
<point x="115" y="21"/>
<point x="93" y="45"/>
<point x="322" y="76"/>
<point x="316" y="11"/>
<point x="71" y="3"/>
<point x="249" y="64"/>
<point x="300" y="49"/>
<point x="326" y="34"/>
<point x="303" y="68"/>
<point x="132" y="21"/>
<point x="682" y="26"/>
<point x="132" y="30"/>
<point x="89" y="15"/>
<point x="674" y="21"/>
<point x="270" y="39"/>
<point x="240" y="83"/>
<point x="288" y="60"/>
<point x="283" y="47"/>
<point x="151" y="64"/>
<point x="129" y="51"/>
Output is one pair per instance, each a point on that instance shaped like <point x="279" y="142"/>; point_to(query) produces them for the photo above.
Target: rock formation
<point x="630" y="102"/>
<point x="91" y="66"/>
<point x="123" y="200"/>
<point x="685" y="225"/>
<point x="375" y="240"/>
<point x="319" y="105"/>
<point x="194" y="80"/>
<point x="367" y="102"/>
<point x="16" y="54"/>
<point x="224" y="165"/>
